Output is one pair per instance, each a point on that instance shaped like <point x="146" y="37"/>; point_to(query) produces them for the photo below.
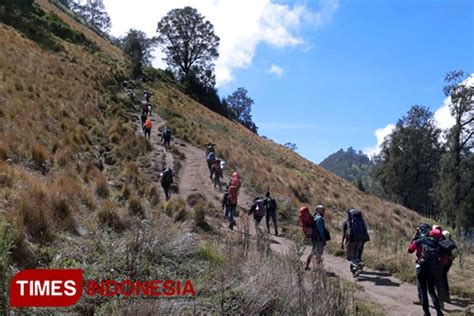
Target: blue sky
<point x="348" y="68"/>
<point x="364" y="70"/>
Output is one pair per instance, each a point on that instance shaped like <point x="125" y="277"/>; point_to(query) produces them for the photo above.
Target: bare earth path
<point x="394" y="296"/>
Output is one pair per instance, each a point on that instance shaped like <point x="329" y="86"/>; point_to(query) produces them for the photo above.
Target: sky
<point x="328" y="74"/>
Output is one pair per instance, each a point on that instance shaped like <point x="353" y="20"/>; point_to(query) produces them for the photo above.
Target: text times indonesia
<point x="62" y="288"/>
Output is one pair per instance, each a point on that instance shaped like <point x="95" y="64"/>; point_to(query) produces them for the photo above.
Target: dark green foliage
<point x="190" y="45"/>
<point x="355" y="167"/>
<point x="240" y="106"/>
<point x="39" y="26"/>
<point x="138" y="48"/>
<point x="455" y="190"/>
<point x="409" y="161"/>
<point x="94" y="14"/>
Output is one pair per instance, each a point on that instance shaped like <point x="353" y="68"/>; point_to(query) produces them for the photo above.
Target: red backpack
<point x="306" y="222"/>
<point x="232" y="198"/>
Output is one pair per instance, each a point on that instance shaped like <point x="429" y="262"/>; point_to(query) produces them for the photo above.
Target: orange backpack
<point x="232" y="198"/>
<point x="148" y="123"/>
<point x="307" y="222"/>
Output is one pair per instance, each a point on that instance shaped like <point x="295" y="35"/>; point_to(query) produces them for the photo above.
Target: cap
<point x="446" y="234"/>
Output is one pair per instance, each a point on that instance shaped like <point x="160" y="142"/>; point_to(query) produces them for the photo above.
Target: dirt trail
<point x="393" y="295"/>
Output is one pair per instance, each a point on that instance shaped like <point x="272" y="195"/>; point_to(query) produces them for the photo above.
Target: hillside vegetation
<point x="73" y="195"/>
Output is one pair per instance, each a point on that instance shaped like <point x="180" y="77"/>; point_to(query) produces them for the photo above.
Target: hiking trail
<point x="393" y="295"/>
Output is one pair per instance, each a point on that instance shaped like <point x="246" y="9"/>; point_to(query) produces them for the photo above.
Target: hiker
<point x="147" y="127"/>
<point x="145" y="109"/>
<point x="258" y="211"/>
<point x="315" y="229"/>
<point x="166" y="179"/>
<point x="143" y="118"/>
<point x="210" y="148"/>
<point x="211" y="157"/>
<point x="428" y="266"/>
<point x="450" y="253"/>
<point x="166" y="138"/>
<point x="423" y="230"/>
<point x="229" y="203"/>
<point x="216" y="174"/>
<point x="270" y="212"/>
<point x="147" y="96"/>
<point x="354" y="236"/>
<point x="148" y="108"/>
<point x="235" y="181"/>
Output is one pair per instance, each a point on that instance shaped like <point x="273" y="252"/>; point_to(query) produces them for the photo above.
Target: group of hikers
<point x="435" y="252"/>
<point x="147" y="122"/>
<point x="434" y="248"/>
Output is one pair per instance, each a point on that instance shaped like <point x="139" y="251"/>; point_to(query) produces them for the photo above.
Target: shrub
<point x="200" y="216"/>
<point x="108" y="217"/>
<point x="38" y="155"/>
<point x="135" y="207"/>
<point x="153" y="196"/>
<point x="102" y="187"/>
<point x="195" y="198"/>
<point x="62" y="213"/>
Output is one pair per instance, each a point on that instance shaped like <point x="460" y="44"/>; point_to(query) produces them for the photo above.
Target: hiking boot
<point x="307" y="269"/>
<point x="417" y="302"/>
<point x="356" y="273"/>
<point x="231" y="226"/>
<point x="361" y="265"/>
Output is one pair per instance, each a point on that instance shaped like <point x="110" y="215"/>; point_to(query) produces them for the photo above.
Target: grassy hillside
<point x="73" y="195"/>
<point x="295" y="181"/>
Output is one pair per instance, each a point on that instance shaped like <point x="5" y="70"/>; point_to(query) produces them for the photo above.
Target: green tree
<point x="94" y="13"/>
<point x="138" y="48"/>
<point x="409" y="160"/>
<point x="190" y="45"/>
<point x="240" y="105"/>
<point x="455" y="191"/>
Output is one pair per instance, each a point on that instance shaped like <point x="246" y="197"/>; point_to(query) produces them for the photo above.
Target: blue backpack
<point x="211" y="157"/>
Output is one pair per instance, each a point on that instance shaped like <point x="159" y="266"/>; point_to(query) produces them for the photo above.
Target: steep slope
<point x="266" y="165"/>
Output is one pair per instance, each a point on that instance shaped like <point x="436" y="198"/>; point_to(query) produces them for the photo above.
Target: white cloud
<point x="380" y="134"/>
<point x="443" y="116"/>
<point x="275" y="70"/>
<point x="241" y="25"/>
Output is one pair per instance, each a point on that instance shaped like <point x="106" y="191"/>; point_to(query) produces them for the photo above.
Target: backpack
<point x="357" y="231"/>
<point x="211" y="157"/>
<point x="235" y="182"/>
<point x="167" y="177"/>
<point x="259" y="208"/>
<point x="148" y="124"/>
<point x="145" y="108"/>
<point x="307" y="222"/>
<point x="167" y="133"/>
<point x="232" y="197"/>
<point x="449" y="247"/>
<point x="430" y="250"/>
<point x="271" y="205"/>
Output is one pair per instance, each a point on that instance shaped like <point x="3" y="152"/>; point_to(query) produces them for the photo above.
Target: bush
<point x="135" y="207"/>
<point x="62" y="213"/>
<point x="109" y="218"/>
<point x="153" y="196"/>
<point x="195" y="198"/>
<point x="38" y="155"/>
<point x="102" y="187"/>
<point x="200" y="216"/>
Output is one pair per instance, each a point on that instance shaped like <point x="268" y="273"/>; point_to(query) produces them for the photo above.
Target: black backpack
<point x="357" y="230"/>
<point x="259" y="208"/>
<point x="271" y="205"/>
<point x="167" y="133"/>
<point x="167" y="177"/>
<point x="430" y="250"/>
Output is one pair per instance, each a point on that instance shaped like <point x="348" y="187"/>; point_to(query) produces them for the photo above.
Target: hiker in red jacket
<point x="428" y="267"/>
<point x="229" y="203"/>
